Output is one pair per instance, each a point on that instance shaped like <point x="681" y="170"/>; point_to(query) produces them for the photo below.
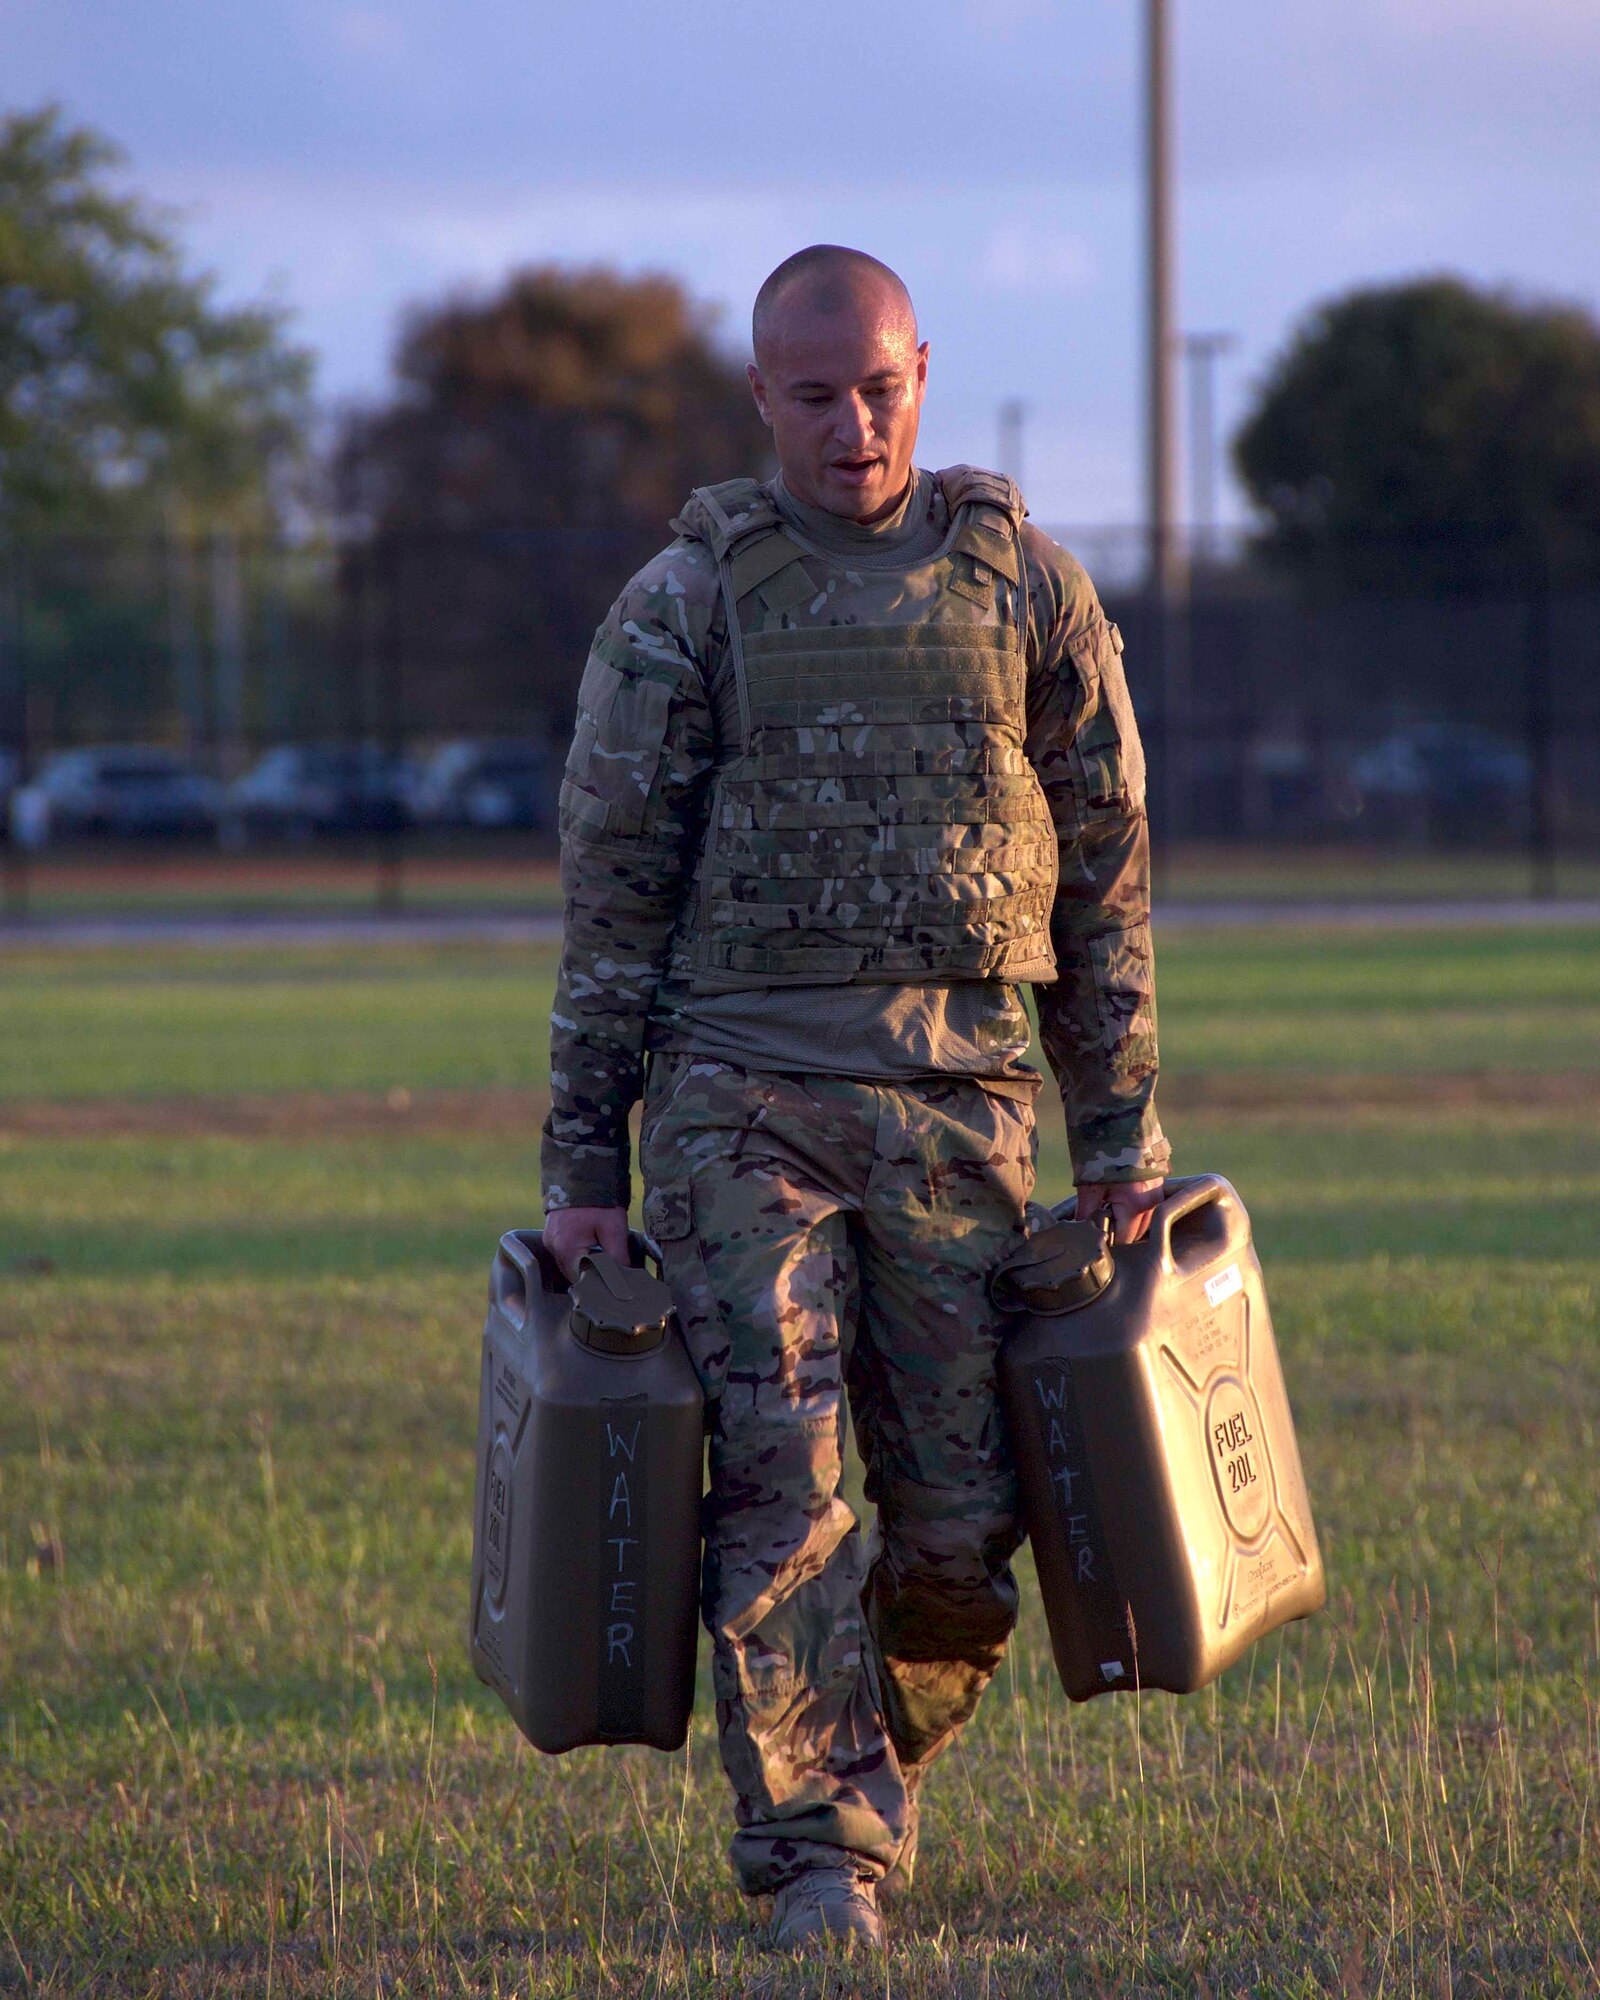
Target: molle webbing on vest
<point x="876" y="816"/>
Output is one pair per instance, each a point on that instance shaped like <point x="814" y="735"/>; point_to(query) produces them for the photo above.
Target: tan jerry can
<point x="586" y="1530"/>
<point x="1161" y="1480"/>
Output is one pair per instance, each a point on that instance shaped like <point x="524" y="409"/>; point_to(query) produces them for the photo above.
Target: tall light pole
<point x="1165" y="636"/>
<point x="1165" y="557"/>
<point x="1012" y="412"/>
<point x="1201" y="351"/>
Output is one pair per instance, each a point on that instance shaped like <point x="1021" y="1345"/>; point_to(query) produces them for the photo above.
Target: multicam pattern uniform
<point x="776" y="1197"/>
<point x="633" y="822"/>
<point x="788" y="1208"/>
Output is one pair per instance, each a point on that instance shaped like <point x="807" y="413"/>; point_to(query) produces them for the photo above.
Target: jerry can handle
<point x="1187" y="1198"/>
<point x="516" y="1273"/>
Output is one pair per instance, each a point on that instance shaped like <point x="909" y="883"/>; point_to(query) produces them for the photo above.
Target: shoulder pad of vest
<point x="724" y="515"/>
<point x="970" y="485"/>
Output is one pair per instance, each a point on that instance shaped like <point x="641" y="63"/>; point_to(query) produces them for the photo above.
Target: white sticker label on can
<point x="1224" y="1285"/>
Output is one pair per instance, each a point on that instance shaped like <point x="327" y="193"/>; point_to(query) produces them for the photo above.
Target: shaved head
<point x="838" y="375"/>
<point x="828" y="281"/>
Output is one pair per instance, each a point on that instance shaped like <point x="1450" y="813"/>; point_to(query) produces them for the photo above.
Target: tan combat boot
<point x="826" y="1902"/>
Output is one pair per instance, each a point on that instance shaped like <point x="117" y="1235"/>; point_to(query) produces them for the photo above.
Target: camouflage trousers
<point x="789" y="1210"/>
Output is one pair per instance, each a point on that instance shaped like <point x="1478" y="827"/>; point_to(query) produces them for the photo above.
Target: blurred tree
<point x="1430" y="433"/>
<point x="128" y="398"/>
<point x="538" y="443"/>
<point x="570" y="399"/>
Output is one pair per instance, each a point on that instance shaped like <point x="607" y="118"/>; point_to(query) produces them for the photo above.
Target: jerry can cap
<point x="617" y="1309"/>
<point x="1061" y="1267"/>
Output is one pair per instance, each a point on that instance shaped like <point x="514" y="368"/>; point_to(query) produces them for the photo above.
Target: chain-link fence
<point x="219" y="722"/>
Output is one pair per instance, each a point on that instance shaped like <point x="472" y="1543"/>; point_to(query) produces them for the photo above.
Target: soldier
<point x="854" y="758"/>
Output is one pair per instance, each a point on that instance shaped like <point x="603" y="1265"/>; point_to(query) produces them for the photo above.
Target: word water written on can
<point x="1161" y="1479"/>
<point x="586" y="1540"/>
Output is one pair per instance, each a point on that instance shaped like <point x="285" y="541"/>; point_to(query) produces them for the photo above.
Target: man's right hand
<point x="570" y="1232"/>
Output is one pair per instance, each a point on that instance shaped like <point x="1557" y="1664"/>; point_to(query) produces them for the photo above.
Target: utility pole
<point x="1201" y="351"/>
<point x="1165" y="637"/>
<point x="1012" y="413"/>
<point x="1160" y="353"/>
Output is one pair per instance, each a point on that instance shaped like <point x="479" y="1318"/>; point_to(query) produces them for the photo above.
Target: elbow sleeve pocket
<point x="616" y="749"/>
<point x="1108" y="753"/>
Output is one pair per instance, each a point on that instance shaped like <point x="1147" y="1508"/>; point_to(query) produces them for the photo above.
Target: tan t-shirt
<point x="879" y="1033"/>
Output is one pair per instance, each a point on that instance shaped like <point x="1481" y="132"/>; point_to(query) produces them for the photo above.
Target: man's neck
<point x="906" y="524"/>
<point x="891" y="507"/>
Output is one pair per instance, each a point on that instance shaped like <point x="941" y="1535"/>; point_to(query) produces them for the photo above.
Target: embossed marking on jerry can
<point x="1161" y="1479"/>
<point x="586" y="1529"/>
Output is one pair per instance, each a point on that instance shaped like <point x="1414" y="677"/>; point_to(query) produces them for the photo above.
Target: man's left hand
<point x="1130" y="1203"/>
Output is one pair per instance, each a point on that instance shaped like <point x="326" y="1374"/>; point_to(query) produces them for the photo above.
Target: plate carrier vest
<point x="874" y="815"/>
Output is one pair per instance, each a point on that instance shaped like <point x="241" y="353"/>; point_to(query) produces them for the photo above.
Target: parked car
<point x="301" y="789"/>
<point x="485" y="782"/>
<point x="1451" y="762"/>
<point x="1445" y="778"/>
<point x="124" y="790"/>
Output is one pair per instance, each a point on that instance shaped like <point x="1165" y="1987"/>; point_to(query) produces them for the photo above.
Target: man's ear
<point x="758" y="389"/>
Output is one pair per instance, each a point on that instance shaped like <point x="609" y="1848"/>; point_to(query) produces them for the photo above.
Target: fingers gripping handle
<point x="642" y="1249"/>
<point x="643" y="1252"/>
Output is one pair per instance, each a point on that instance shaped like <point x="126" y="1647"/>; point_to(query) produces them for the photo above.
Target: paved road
<point x="488" y="927"/>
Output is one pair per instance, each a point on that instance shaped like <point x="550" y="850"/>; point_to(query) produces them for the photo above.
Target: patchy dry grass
<point x="241" y="1751"/>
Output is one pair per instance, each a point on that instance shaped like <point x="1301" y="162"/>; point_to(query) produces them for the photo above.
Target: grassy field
<point x="246" y="1205"/>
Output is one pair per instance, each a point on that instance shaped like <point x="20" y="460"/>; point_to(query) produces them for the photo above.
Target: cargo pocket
<point x="1107" y="751"/>
<point x="668" y="1214"/>
<point x="616" y="749"/>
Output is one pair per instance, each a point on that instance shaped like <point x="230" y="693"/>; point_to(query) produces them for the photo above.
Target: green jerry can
<point x="586" y="1538"/>
<point x="1161" y="1480"/>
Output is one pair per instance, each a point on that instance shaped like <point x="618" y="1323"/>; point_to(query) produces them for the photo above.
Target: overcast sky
<point x="348" y="159"/>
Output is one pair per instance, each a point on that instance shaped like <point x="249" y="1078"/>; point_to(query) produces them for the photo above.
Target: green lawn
<point x="209" y="1023"/>
<point x="299" y="1017"/>
<point x="243" y="1751"/>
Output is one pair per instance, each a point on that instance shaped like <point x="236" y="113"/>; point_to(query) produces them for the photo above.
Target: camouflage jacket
<point x="650" y="754"/>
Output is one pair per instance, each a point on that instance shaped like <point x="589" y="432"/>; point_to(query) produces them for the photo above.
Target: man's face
<point x="841" y="382"/>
